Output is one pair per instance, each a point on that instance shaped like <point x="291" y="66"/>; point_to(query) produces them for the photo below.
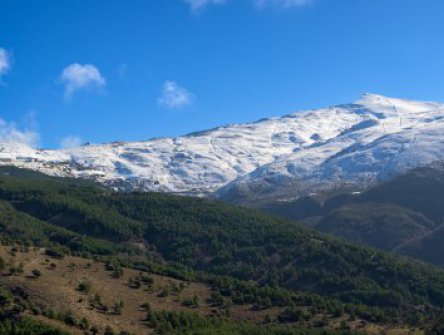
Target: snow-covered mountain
<point x="354" y="144"/>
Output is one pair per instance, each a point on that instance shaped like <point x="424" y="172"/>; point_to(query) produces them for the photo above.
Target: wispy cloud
<point x="5" y="62"/>
<point x="174" y="96"/>
<point x="76" y="77"/>
<point x="10" y="132"/>
<point x="197" y="6"/>
<point x="70" y="142"/>
<point x="283" y="4"/>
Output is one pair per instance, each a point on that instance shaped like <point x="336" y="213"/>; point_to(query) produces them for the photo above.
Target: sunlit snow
<point x="363" y="142"/>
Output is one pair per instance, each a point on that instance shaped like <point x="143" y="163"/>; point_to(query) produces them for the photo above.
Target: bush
<point x="85" y="286"/>
<point x="118" y="306"/>
<point x="54" y="253"/>
<point x="109" y="331"/>
<point x="84" y="324"/>
<point x="36" y="273"/>
<point x="70" y="319"/>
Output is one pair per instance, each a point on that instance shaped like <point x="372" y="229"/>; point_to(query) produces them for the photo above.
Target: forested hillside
<point x="244" y="255"/>
<point x="405" y="214"/>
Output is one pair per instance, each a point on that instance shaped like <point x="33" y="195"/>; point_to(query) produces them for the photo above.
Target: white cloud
<point x="197" y="6"/>
<point x="174" y="96"/>
<point x="5" y="62"/>
<point x="77" y="76"/>
<point x="282" y="3"/>
<point x="71" y="142"/>
<point x="10" y="133"/>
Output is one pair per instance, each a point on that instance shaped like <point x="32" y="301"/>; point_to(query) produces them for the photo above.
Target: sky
<point x="75" y="71"/>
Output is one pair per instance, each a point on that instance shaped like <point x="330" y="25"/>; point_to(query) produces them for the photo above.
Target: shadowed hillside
<point x="404" y="215"/>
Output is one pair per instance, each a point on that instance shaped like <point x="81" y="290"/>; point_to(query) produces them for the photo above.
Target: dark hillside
<point x="243" y="254"/>
<point x="402" y="214"/>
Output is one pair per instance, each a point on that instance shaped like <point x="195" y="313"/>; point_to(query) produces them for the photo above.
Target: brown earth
<point x="57" y="289"/>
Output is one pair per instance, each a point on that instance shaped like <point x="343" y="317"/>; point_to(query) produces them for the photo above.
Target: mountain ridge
<point x="404" y="215"/>
<point x="353" y="145"/>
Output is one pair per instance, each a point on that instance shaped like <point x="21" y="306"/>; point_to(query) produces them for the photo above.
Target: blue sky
<point x="105" y="70"/>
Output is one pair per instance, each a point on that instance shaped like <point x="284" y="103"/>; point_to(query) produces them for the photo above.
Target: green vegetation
<point x="85" y="286"/>
<point x="404" y="214"/>
<point x="36" y="273"/>
<point x="437" y="328"/>
<point x="247" y="257"/>
<point x="12" y="322"/>
<point x="172" y="323"/>
<point x="118" y="307"/>
<point x="25" y="326"/>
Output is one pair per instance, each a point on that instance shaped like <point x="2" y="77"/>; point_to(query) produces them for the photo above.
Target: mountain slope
<point x="404" y="214"/>
<point x="216" y="239"/>
<point x="256" y="263"/>
<point x="392" y="137"/>
<point x="383" y="226"/>
<point x="353" y="144"/>
<point x="428" y="246"/>
<point x="143" y="303"/>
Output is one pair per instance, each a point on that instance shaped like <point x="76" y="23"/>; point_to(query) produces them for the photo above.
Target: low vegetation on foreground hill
<point x="79" y="295"/>
<point x="204" y="266"/>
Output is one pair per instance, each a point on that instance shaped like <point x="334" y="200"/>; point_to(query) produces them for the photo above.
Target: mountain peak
<point x="373" y="96"/>
<point x="343" y="144"/>
<point x="381" y="100"/>
<point x="383" y="103"/>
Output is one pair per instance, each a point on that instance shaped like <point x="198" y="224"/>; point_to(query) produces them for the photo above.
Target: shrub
<point x="85" y="286"/>
<point x="54" y="253"/>
<point x="36" y="273"/>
